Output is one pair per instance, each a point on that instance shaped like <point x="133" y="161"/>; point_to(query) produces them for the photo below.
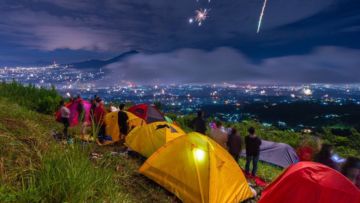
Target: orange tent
<point x="148" y="138"/>
<point x="112" y="128"/>
<point x="197" y="169"/>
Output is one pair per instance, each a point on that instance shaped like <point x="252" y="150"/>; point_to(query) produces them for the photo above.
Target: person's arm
<point x="67" y="111"/>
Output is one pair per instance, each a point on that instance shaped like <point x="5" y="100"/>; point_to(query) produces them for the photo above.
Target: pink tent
<point x="74" y="113"/>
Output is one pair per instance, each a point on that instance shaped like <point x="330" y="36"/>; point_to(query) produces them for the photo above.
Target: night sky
<point x="300" y="41"/>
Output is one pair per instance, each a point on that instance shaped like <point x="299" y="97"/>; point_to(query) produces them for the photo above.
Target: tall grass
<point x="67" y="175"/>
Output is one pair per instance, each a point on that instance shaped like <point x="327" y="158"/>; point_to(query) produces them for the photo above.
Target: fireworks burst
<point x="201" y="16"/>
<point x="261" y="16"/>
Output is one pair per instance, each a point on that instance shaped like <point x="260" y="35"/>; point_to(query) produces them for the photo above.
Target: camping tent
<point x="279" y="154"/>
<point x="148" y="138"/>
<point x="147" y="112"/>
<point x="310" y="182"/>
<point x="74" y="112"/>
<point x="197" y="169"/>
<point x="112" y="126"/>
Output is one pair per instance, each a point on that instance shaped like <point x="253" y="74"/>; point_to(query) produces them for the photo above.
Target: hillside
<point x="36" y="168"/>
<point x="96" y="64"/>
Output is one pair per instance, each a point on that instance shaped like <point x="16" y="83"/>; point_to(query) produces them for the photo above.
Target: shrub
<point x="39" y="99"/>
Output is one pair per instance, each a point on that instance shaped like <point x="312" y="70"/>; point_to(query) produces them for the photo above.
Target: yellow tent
<point x="197" y="169"/>
<point x="112" y="127"/>
<point x="148" y="138"/>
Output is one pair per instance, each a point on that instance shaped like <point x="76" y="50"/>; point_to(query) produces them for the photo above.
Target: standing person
<point x="92" y="108"/>
<point x="81" y="114"/>
<point x="99" y="115"/>
<point x="234" y="144"/>
<point x="219" y="135"/>
<point x="65" y="115"/>
<point x="123" y="121"/>
<point x="324" y="156"/>
<point x="199" y="124"/>
<point x="252" y="144"/>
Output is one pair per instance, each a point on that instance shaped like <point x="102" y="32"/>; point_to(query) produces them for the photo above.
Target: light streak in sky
<point x="261" y="16"/>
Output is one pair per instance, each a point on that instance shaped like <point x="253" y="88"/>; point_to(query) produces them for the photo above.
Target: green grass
<point x="36" y="168"/>
<point x="265" y="171"/>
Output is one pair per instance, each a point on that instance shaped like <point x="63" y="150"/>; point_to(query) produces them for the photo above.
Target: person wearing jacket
<point x="234" y="144"/>
<point x="252" y="144"/>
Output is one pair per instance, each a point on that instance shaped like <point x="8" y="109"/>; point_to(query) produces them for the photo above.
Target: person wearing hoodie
<point x="252" y="144"/>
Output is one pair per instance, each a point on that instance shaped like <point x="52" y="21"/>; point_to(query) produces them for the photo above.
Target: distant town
<point x="311" y="105"/>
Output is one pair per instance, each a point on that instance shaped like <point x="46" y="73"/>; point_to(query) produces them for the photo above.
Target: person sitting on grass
<point x="252" y="144"/>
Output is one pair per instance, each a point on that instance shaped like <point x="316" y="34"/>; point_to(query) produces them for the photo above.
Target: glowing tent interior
<point x="197" y="169"/>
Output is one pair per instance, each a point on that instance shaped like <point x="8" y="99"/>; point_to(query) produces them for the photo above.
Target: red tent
<point x="309" y="182"/>
<point x="147" y="112"/>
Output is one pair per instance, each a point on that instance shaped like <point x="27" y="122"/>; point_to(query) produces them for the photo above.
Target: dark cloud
<point x="322" y="65"/>
<point x="225" y="48"/>
<point x="155" y="25"/>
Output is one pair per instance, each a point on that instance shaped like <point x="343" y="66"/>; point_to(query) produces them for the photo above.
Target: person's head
<point x="62" y="103"/>
<point x="251" y="131"/>
<point x="233" y="131"/>
<point x="351" y="168"/>
<point x="200" y="114"/>
<point x="218" y="124"/>
<point x="325" y="151"/>
<point x="328" y="148"/>
<point x="98" y="99"/>
<point x="121" y="106"/>
<point x="78" y="96"/>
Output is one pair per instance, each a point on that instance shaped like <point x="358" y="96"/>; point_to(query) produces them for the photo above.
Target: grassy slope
<point x="34" y="168"/>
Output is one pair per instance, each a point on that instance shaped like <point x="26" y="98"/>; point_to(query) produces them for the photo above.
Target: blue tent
<point x="279" y="154"/>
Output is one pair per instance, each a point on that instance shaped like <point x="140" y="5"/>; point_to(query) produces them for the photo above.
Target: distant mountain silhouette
<point x="96" y="64"/>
